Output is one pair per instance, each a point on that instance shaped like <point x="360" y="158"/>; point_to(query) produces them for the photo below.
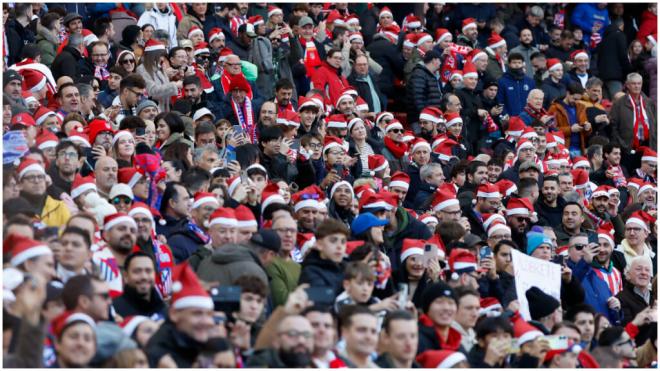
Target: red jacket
<point x="648" y="26"/>
<point x="329" y="80"/>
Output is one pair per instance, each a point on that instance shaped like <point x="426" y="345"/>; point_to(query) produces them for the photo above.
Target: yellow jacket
<point x="55" y="213"/>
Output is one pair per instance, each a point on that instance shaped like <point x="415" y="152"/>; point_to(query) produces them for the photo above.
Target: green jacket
<point x="283" y="275"/>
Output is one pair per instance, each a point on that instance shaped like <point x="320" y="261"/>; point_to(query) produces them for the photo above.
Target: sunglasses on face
<point x="123" y="200"/>
<point x="396" y="131"/>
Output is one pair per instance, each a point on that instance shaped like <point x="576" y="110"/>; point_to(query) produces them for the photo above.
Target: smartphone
<point x="226" y="299"/>
<point x="322" y="295"/>
<point x="230" y="156"/>
<point x="140" y="131"/>
<point x="559" y="259"/>
<point x="403" y="295"/>
<point x="593" y="238"/>
<point x="557" y="342"/>
<point x="244" y="177"/>
<point x="430" y="253"/>
<point x="238" y="130"/>
<point x="339" y="168"/>
<point x="484" y="252"/>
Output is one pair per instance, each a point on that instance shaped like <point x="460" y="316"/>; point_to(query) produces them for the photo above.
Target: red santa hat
<point x="428" y="218"/>
<point x="224" y="53"/>
<point x="373" y="201"/>
<point x="223" y="216"/>
<point x="47" y="139"/>
<point x="412" y="21"/>
<point x="391" y="32"/>
<point x="385" y="11"/>
<point x="399" y="179"/>
<point x="559" y="137"/>
<point x="344" y="96"/>
<point x="271" y="195"/>
<point x="635" y="183"/>
<point x="456" y="74"/>
<point x="28" y="165"/>
<point x="129" y="175"/>
<point x="516" y="126"/>
<point x="353" y="20"/>
<point x="195" y="30"/>
<point x="440" y="358"/>
<point x="601" y="191"/>
<point x="122" y="134"/>
<point x="441" y="34"/>
<point x="431" y="113"/>
<point x="649" y="155"/>
<point x="273" y="10"/>
<point x="408" y="136"/>
<point x="412" y="247"/>
<point x="490" y="306"/>
<point x="468" y="23"/>
<point x="361" y="105"/>
<point x="80" y="139"/>
<point x="154" y="45"/>
<point x="476" y="54"/>
<point x="551" y="141"/>
<point x="361" y="189"/>
<point x="88" y="37"/>
<point x="492" y="218"/>
<point x="522" y="144"/>
<point x="488" y="190"/>
<point x="304" y="103"/>
<point x="336" y="18"/>
<point x="187" y="292"/>
<point x="82" y="184"/>
<point x="506" y="187"/>
<point x="452" y="119"/>
<point x="256" y="20"/>
<point x="377" y="162"/>
<point x="394" y="124"/>
<point x="245" y="217"/>
<point x="68" y="318"/>
<point x="33" y="80"/>
<point x="307" y="197"/>
<point x="442" y="199"/>
<point x="461" y="261"/>
<point x="410" y="40"/>
<point x="553" y="64"/>
<point x="353" y="36"/>
<point x="216" y="33"/>
<point x="580" y="53"/>
<point x="202" y="198"/>
<point x="638" y="219"/>
<point x="444" y="149"/>
<point x="23" y="248"/>
<point x="580" y="178"/>
<point x="423" y="37"/>
<point x="239" y="82"/>
<point x="495" y="41"/>
<point x="131" y="323"/>
<point x="338" y="121"/>
<point x="470" y="70"/>
<point x="201" y="48"/>
<point x="529" y="133"/>
<point x="497" y="226"/>
<point x="525" y="332"/>
<point x="141" y="208"/>
<point x="607" y="234"/>
<point x="420" y="143"/>
<point x="22" y="118"/>
<point x="519" y="206"/>
<point x="645" y="187"/>
<point x="330" y="142"/>
<point x="581" y="161"/>
<point x="117" y="218"/>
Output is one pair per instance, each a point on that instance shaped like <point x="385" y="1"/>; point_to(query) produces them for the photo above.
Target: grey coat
<point x="261" y="55"/>
<point x="228" y="263"/>
<point x="159" y="87"/>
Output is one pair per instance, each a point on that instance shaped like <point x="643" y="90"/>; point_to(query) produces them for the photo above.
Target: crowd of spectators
<point x="329" y="185"/>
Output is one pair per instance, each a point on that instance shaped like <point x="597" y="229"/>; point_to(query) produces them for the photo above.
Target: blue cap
<point x="365" y="221"/>
<point x="535" y="239"/>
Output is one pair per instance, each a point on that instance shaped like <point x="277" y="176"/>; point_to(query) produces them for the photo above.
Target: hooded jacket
<point x="47" y="43"/>
<point x="228" y="263"/>
<point x="161" y="21"/>
<point x="512" y="92"/>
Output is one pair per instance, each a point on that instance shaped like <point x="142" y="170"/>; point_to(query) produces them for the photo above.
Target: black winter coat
<point x="388" y="56"/>
<point x="415" y="181"/>
<point x="407" y="227"/>
<point x="423" y="90"/>
<point x="423" y="195"/>
<point x="66" y="63"/>
<point x="613" y="62"/>
<point x="549" y="216"/>
<point x="631" y="302"/>
<point x="180" y="238"/>
<point x="472" y="131"/>
<point x="168" y="340"/>
<point x="318" y="272"/>
<point x="130" y="303"/>
<point x="552" y="90"/>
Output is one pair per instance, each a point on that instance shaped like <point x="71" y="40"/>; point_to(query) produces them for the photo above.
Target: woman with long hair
<point x="169" y="130"/>
<point x="123" y="148"/>
<point x="152" y="69"/>
<point x="341" y="202"/>
<point x="126" y="60"/>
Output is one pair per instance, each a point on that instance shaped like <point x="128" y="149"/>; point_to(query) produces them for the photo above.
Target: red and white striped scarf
<point x="612" y="277"/>
<point x="639" y="117"/>
<point x="246" y="120"/>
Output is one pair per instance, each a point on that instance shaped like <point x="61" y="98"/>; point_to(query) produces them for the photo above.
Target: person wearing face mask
<point x="514" y="86"/>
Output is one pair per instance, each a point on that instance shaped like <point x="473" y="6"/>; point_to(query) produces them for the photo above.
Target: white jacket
<point x="160" y="21"/>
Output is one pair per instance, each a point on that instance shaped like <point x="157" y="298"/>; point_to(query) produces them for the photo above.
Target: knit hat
<point x="24" y="248"/>
<point x="540" y="304"/>
<point x="187" y="292"/>
<point x="440" y="358"/>
<point x="366" y="221"/>
<point x="535" y="240"/>
<point x="435" y="291"/>
<point x="96" y="127"/>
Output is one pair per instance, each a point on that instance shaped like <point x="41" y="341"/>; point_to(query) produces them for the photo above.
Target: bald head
<point x="106" y="173"/>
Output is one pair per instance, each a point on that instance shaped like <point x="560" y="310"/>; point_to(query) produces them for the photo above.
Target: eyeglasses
<point x="234" y="64"/>
<point x="627" y="342"/>
<point x="123" y="200"/>
<point x="105" y="134"/>
<point x="127" y="61"/>
<point x="521" y="219"/>
<point x="396" y="131"/>
<point x="457" y="212"/>
<point x="286" y="230"/>
<point x="316" y="145"/>
<point x="139" y="94"/>
<point x="99" y="55"/>
<point x="296" y="333"/>
<point x="34" y="178"/>
<point x="633" y="229"/>
<point x="579" y="246"/>
<point x="68" y="154"/>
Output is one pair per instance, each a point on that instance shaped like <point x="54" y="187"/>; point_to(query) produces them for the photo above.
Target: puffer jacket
<point x="329" y="80"/>
<point x="613" y="61"/>
<point x="319" y="272"/>
<point x="47" y="43"/>
<point x="228" y="263"/>
<point x="423" y="90"/>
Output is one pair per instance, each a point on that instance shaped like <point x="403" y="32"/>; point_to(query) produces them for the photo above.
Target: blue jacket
<point x="596" y="291"/>
<point x="585" y="15"/>
<point x="513" y="93"/>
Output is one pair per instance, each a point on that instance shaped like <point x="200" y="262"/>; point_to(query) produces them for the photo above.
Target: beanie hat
<point x="435" y="291"/>
<point x="536" y="239"/>
<point x="540" y="304"/>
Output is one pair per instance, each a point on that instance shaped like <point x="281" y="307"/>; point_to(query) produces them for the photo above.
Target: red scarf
<point x="289" y="107"/>
<point x="246" y="120"/>
<point x="310" y="56"/>
<point x="453" y="341"/>
<point x="536" y="114"/>
<point x="398" y="149"/>
<point x="639" y="115"/>
<point x="450" y="64"/>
